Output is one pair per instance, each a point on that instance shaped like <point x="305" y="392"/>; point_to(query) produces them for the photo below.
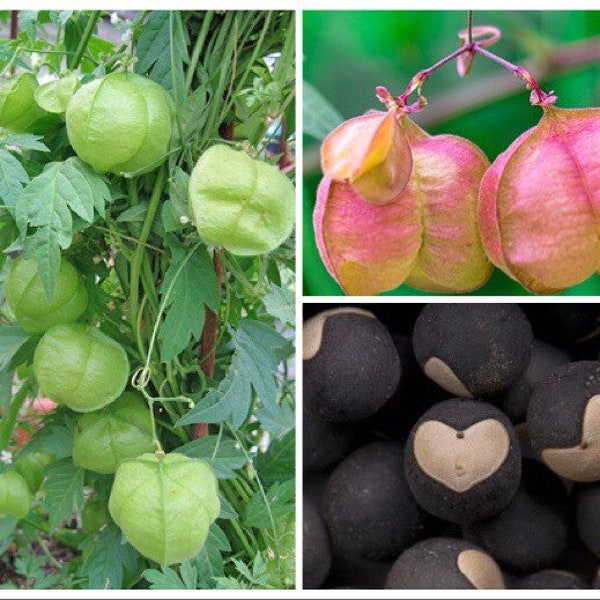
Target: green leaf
<point x="220" y="452"/>
<point x="12" y="338"/>
<point x="278" y="461"/>
<point x="192" y="114"/>
<point x="135" y="214"/>
<point x="189" y="574"/>
<point x="162" y="51"/>
<point x="210" y="560"/>
<point x="277" y="419"/>
<point x="280" y="303"/>
<point x="109" y="556"/>
<point x="8" y="526"/>
<point x="46" y="208"/>
<point x="25" y="141"/>
<point x="56" y="439"/>
<point x="320" y="117"/>
<point x="230" y="401"/>
<point x="280" y="499"/>
<point x="227" y="511"/>
<point x="256" y="345"/>
<point x="167" y="579"/>
<point x="190" y="282"/>
<point x="13" y="178"/>
<point x="177" y="206"/>
<point x="64" y="491"/>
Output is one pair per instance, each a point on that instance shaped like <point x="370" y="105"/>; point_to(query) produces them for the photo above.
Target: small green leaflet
<point x="12" y="337"/>
<point x="209" y="559"/>
<point x="46" y="208"/>
<point x="280" y="501"/>
<point x="176" y="206"/>
<point x="56" y="438"/>
<point x="167" y="579"/>
<point x="253" y="365"/>
<point x="230" y="401"/>
<point x="190" y="283"/>
<point x="220" y="452"/>
<point x="279" y="303"/>
<point x="109" y="556"/>
<point x="162" y="51"/>
<point x="278" y="461"/>
<point x="25" y="141"/>
<point x="257" y="346"/>
<point x="64" y="491"/>
<point x="13" y="178"/>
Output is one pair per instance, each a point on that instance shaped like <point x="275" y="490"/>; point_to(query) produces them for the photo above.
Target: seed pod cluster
<point x="451" y="446"/>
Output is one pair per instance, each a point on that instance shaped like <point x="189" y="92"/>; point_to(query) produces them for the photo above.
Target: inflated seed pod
<point x="121" y="430"/>
<point x="563" y="421"/>
<point x="80" y="366"/>
<point x="15" y="499"/>
<point x="316" y="548"/>
<point x="18" y="109"/>
<point x="350" y="365"/>
<point x="121" y="123"/>
<point x="531" y="532"/>
<point x="473" y="350"/>
<point x="26" y="296"/>
<point x="544" y="359"/>
<point x="165" y="504"/>
<point x="552" y="579"/>
<point x="463" y="461"/>
<point x="445" y="563"/>
<point x="244" y="205"/>
<point x="367" y="505"/>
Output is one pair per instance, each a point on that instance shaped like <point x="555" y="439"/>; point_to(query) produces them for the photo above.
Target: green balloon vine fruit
<point x="18" y="108"/>
<point x="121" y="123"/>
<point x="32" y="466"/>
<point x="15" y="500"/>
<point x="26" y="297"/>
<point x="121" y="430"/>
<point x="244" y="205"/>
<point x="80" y="366"/>
<point x="165" y="504"/>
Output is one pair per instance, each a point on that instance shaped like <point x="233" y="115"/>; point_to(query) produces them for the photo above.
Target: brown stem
<point x="210" y="333"/>
<point x="14" y="24"/>
<point x="285" y="159"/>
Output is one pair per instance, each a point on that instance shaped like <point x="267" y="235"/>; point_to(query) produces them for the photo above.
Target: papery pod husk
<point x="121" y="430"/>
<point x="371" y="153"/>
<point x="164" y="505"/>
<point x="427" y="237"/>
<point x="540" y="201"/>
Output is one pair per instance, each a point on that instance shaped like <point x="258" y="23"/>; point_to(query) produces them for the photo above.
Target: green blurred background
<point x="348" y="53"/>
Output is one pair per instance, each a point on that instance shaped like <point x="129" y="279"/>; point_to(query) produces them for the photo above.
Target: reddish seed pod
<point x="371" y="153"/>
<point x="539" y="206"/>
<point x="427" y="236"/>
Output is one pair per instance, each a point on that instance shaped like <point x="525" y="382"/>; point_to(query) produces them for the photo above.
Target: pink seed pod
<point x="539" y="204"/>
<point x="427" y="236"/>
<point x="371" y="153"/>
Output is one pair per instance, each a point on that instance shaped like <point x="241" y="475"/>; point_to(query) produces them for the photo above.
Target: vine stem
<point x="262" y="493"/>
<point x="469" y="46"/>
<point x="138" y="254"/>
<point x="85" y="38"/>
<point x="8" y="423"/>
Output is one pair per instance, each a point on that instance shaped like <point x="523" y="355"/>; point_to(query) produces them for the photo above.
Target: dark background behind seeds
<point x="348" y="53"/>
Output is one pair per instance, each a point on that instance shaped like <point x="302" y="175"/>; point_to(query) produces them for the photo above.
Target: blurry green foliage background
<point x="348" y="53"/>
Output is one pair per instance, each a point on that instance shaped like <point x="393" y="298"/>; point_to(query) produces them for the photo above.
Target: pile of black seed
<point x="451" y="446"/>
